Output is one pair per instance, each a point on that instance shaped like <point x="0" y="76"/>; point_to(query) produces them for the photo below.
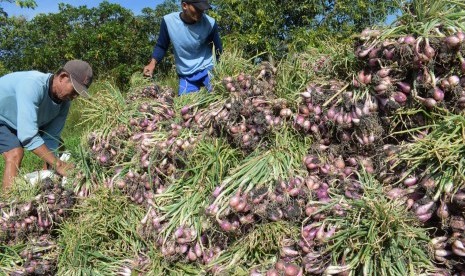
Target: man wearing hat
<point x="193" y="35"/>
<point x="33" y="111"/>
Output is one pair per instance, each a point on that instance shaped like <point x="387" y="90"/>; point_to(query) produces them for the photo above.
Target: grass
<point x="10" y="258"/>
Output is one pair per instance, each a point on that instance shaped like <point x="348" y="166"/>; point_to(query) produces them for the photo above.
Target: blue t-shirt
<point x="192" y="43"/>
<point x="25" y="105"/>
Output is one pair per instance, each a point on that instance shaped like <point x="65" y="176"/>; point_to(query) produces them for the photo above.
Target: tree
<point x="22" y="3"/>
<point x="150" y="25"/>
<point x="276" y="25"/>
<point x="110" y="37"/>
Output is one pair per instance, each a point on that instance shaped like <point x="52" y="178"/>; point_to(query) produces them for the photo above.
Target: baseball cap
<point x="199" y="4"/>
<point x="81" y="76"/>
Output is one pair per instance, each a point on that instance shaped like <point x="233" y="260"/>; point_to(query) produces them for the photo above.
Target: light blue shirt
<point x="26" y="106"/>
<point x="192" y="43"/>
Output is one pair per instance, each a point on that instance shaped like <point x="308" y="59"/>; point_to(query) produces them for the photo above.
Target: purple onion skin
<point x="184" y="110"/>
<point x="438" y="94"/>
<point x="452" y="41"/>
<point x="443" y="211"/>
<point x="404" y="87"/>
<point x="407" y="40"/>
<point x="453" y="80"/>
<point x="429" y="51"/>
<point x="400" y="97"/>
<point x="389" y="54"/>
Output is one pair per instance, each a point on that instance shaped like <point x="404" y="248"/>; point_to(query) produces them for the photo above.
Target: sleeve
<point x="163" y="42"/>
<point x="28" y="100"/>
<point x="216" y="39"/>
<point x="51" y="132"/>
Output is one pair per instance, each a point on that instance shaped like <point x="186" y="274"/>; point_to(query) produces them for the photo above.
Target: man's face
<point x="192" y="14"/>
<point x="65" y="90"/>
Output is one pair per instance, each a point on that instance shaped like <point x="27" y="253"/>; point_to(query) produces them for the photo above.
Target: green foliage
<point x="286" y="24"/>
<point x="117" y="43"/>
<point x="10" y="257"/>
<point x="114" y="41"/>
<point x="3" y="70"/>
<point x="25" y="3"/>
<point x="439" y="154"/>
<point x="428" y="18"/>
<point x="22" y="3"/>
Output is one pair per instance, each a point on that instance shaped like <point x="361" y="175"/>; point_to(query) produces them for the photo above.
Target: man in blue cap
<point x="33" y="111"/>
<point x="193" y="35"/>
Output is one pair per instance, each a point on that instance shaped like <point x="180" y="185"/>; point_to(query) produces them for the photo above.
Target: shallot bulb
<point x="438" y="94"/>
<point x="407" y="40"/>
<point x="430" y="103"/>
<point x="399" y="97"/>
<point x="404" y="87"/>
<point x="452" y="41"/>
<point x="389" y="53"/>
<point x="453" y="80"/>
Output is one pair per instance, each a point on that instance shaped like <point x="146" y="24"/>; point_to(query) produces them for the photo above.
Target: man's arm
<point x="159" y="50"/>
<point x="51" y="132"/>
<point x="44" y="153"/>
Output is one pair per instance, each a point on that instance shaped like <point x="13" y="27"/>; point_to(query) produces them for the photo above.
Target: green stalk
<point x="259" y="247"/>
<point x="183" y="202"/>
<point x="377" y="236"/>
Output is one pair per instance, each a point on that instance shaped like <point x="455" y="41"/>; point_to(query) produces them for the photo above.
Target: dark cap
<point x="202" y="5"/>
<point x="81" y="76"/>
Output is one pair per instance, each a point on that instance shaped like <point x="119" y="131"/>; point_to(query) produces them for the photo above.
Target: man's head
<point x="72" y="80"/>
<point x="81" y="75"/>
<point x="194" y="9"/>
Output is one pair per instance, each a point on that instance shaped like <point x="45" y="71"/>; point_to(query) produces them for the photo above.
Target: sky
<point x="50" y="6"/>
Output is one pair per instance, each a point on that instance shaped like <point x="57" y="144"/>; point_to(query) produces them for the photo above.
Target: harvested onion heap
<point x="154" y="91"/>
<point x="106" y="149"/>
<point x="184" y="244"/>
<point x="20" y="220"/>
<point x="150" y="115"/>
<point x="153" y="155"/>
<point x="374" y="230"/>
<point x="159" y="161"/>
<point x="37" y="260"/>
<point x="448" y="210"/>
<point x="336" y="115"/>
<point x="262" y="84"/>
<point x="286" y="202"/>
<point x="412" y="69"/>
<point x="429" y="177"/>
<point x="344" y="118"/>
<point x="250" y="113"/>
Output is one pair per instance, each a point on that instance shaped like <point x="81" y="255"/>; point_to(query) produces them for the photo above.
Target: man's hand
<point x="61" y="167"/>
<point x="64" y="168"/>
<point x="149" y="68"/>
